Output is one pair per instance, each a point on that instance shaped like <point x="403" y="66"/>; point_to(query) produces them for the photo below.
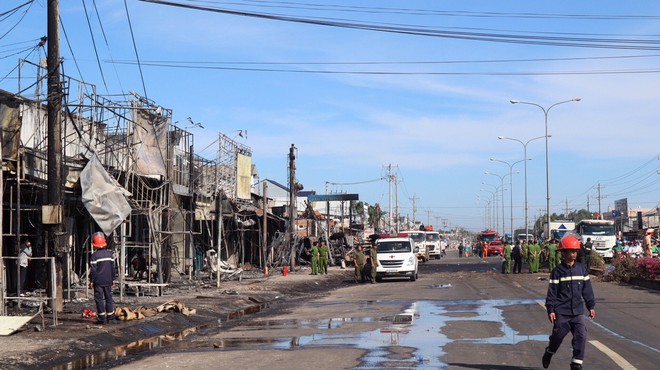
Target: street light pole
<point x="511" y="187"/>
<point x="496" y="203"/>
<point x="524" y="144"/>
<point x="502" y="186"/>
<point x="547" y="161"/>
<point x="494" y="196"/>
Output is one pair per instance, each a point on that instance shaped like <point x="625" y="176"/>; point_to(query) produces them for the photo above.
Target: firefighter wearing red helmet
<point x="102" y="276"/>
<point x="569" y="292"/>
<point x="98" y="240"/>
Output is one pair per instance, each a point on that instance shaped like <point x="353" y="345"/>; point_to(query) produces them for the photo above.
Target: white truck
<point x="558" y="228"/>
<point x="602" y="234"/>
<point x="433" y="244"/>
<point x="397" y="257"/>
<point x="419" y="238"/>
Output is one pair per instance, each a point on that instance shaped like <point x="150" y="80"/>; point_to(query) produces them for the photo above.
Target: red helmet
<point x="98" y="240"/>
<point x="569" y="242"/>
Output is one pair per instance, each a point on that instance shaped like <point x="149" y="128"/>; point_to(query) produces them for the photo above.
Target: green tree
<point x="375" y="216"/>
<point x="358" y="207"/>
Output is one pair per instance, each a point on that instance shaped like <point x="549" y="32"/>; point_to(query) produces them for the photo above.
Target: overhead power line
<point x="426" y="12"/>
<point x="601" y="41"/>
<point x="357" y="183"/>
<point x="399" y="73"/>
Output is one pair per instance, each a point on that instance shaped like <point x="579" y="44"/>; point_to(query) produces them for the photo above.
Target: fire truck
<point x="491" y="240"/>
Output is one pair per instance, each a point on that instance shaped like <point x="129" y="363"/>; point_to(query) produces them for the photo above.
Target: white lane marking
<point x="613" y="355"/>
<point x="541" y="303"/>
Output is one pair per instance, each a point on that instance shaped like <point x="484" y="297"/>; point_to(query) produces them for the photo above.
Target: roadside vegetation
<point x="626" y="269"/>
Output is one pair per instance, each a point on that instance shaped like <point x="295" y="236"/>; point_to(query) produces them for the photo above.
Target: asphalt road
<point x="461" y="314"/>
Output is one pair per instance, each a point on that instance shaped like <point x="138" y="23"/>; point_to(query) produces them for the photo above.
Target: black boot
<point x="547" y="356"/>
<point x="575" y="366"/>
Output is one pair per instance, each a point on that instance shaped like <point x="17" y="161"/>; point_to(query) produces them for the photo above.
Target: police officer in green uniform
<point x="315" y="259"/>
<point x="553" y="254"/>
<point x="373" y="253"/>
<point x="323" y="259"/>
<point x="535" y="257"/>
<point x="588" y="248"/>
<point x="507" y="258"/>
<point x="525" y="252"/>
<point x="359" y="260"/>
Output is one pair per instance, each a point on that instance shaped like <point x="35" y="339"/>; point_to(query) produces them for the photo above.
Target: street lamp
<point x="511" y="186"/>
<point x="495" y="189"/>
<point x="524" y="144"/>
<point x="502" y="186"/>
<point x="486" y="204"/>
<point x="494" y="196"/>
<point x="547" y="161"/>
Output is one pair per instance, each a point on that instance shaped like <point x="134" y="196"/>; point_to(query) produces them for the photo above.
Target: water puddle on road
<point x="416" y="337"/>
<point x="413" y="338"/>
<point x="149" y="344"/>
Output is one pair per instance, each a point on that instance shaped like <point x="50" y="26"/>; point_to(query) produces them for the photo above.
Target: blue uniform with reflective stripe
<point x="569" y="290"/>
<point x="102" y="273"/>
<point x="102" y="269"/>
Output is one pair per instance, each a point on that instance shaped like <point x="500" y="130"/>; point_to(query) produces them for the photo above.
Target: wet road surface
<point x="461" y="314"/>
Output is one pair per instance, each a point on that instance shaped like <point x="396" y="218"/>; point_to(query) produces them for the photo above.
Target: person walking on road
<point x="588" y="248"/>
<point x="359" y="260"/>
<point x="534" y="251"/>
<point x="323" y="258"/>
<point x="525" y="252"/>
<point x="569" y="291"/>
<point x="553" y="257"/>
<point x="517" y="255"/>
<point x="507" y="258"/>
<point x="460" y="250"/>
<point x="102" y="276"/>
<point x="373" y="253"/>
<point x="314" y="251"/>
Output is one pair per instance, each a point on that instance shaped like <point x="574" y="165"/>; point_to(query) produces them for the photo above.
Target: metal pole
<point x="547" y="160"/>
<point x="219" y="254"/>
<point x="503" y="219"/>
<point x="526" y="204"/>
<point x="547" y="177"/>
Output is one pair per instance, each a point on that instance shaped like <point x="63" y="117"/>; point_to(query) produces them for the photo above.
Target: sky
<point x="421" y="87"/>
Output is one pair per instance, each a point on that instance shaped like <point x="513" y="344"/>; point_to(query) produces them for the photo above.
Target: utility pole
<point x="389" y="214"/>
<point x="264" y="228"/>
<point x="54" y="245"/>
<point x="588" y="204"/>
<point x="600" y="213"/>
<point x="428" y="217"/>
<point x="396" y="201"/>
<point x="414" y="198"/>
<point x="293" y="190"/>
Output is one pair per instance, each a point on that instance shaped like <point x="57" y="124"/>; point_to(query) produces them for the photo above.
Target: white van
<point x="397" y="257"/>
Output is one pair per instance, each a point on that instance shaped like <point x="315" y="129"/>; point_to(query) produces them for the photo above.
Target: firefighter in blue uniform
<point x="102" y="276"/>
<point x="568" y="293"/>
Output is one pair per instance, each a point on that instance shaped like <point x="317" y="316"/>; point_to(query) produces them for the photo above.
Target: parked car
<point x="495" y="248"/>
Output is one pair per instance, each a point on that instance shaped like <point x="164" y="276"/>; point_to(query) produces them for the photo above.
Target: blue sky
<point x="432" y="107"/>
